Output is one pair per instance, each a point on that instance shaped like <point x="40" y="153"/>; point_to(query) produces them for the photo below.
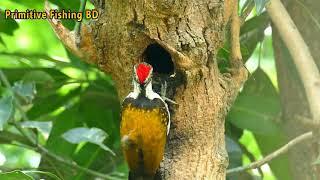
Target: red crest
<point x="143" y="71"/>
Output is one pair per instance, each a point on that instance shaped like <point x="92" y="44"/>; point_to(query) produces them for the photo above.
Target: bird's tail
<point x="131" y="142"/>
<point x="138" y="176"/>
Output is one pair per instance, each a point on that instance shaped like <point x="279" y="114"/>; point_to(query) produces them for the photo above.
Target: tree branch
<point x="31" y="137"/>
<point x="238" y="70"/>
<point x="236" y="57"/>
<point x="273" y="155"/>
<point x="85" y="48"/>
<point x="300" y="53"/>
<point x="8" y="137"/>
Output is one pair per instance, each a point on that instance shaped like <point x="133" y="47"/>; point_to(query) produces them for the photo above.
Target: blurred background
<point x="64" y="97"/>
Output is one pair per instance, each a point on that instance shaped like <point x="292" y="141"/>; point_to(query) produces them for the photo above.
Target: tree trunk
<point x="191" y="33"/>
<point x="294" y="101"/>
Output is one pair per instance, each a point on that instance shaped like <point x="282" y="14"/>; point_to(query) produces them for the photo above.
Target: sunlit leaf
<point x="15" y="175"/>
<point x="92" y="135"/>
<point x="6" y="110"/>
<point x="260" y="4"/>
<point x="25" y="90"/>
<point x="257" y="106"/>
<point x="42" y="126"/>
<point x="31" y="4"/>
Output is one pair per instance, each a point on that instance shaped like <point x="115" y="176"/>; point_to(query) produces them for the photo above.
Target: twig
<point x="236" y="64"/>
<point x="273" y="155"/>
<point x="77" y="27"/>
<point x="251" y="157"/>
<point x="236" y="57"/>
<point x="300" y="53"/>
<point x="239" y="73"/>
<point x="42" y="149"/>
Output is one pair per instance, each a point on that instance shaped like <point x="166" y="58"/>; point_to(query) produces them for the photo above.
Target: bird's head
<point x="143" y="73"/>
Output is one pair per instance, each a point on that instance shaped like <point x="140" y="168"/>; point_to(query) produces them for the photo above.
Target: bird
<point x="144" y="125"/>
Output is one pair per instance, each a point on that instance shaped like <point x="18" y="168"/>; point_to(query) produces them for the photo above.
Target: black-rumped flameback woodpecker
<point x="145" y="124"/>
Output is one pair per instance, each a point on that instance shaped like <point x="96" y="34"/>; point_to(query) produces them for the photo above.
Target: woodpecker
<point x="144" y="126"/>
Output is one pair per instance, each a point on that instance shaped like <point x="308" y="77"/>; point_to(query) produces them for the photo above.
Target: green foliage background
<point x="59" y="93"/>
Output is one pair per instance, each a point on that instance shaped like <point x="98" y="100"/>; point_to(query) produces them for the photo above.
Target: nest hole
<point x="159" y="58"/>
<point x="164" y="71"/>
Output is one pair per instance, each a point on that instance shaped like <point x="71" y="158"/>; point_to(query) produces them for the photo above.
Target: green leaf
<point x="6" y="110"/>
<point x="66" y="120"/>
<point x="48" y="81"/>
<point x="257" y="106"/>
<point x="57" y="100"/>
<point x="252" y="32"/>
<point x="233" y="131"/>
<point x="260" y="4"/>
<point x="16" y="74"/>
<point x="31" y="4"/>
<point x="7" y="26"/>
<point x="2" y="42"/>
<point x="15" y="175"/>
<point x="92" y="135"/>
<point x="44" y="127"/>
<point x="25" y="90"/>
<point x="103" y="99"/>
<point x="267" y="144"/>
<point x="70" y="4"/>
<point x="38" y="76"/>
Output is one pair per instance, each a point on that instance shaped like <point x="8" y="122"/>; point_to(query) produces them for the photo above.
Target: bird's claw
<point x="163" y="93"/>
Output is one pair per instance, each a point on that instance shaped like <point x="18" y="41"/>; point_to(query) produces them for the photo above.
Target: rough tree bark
<point x="191" y="32"/>
<point x="306" y="16"/>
